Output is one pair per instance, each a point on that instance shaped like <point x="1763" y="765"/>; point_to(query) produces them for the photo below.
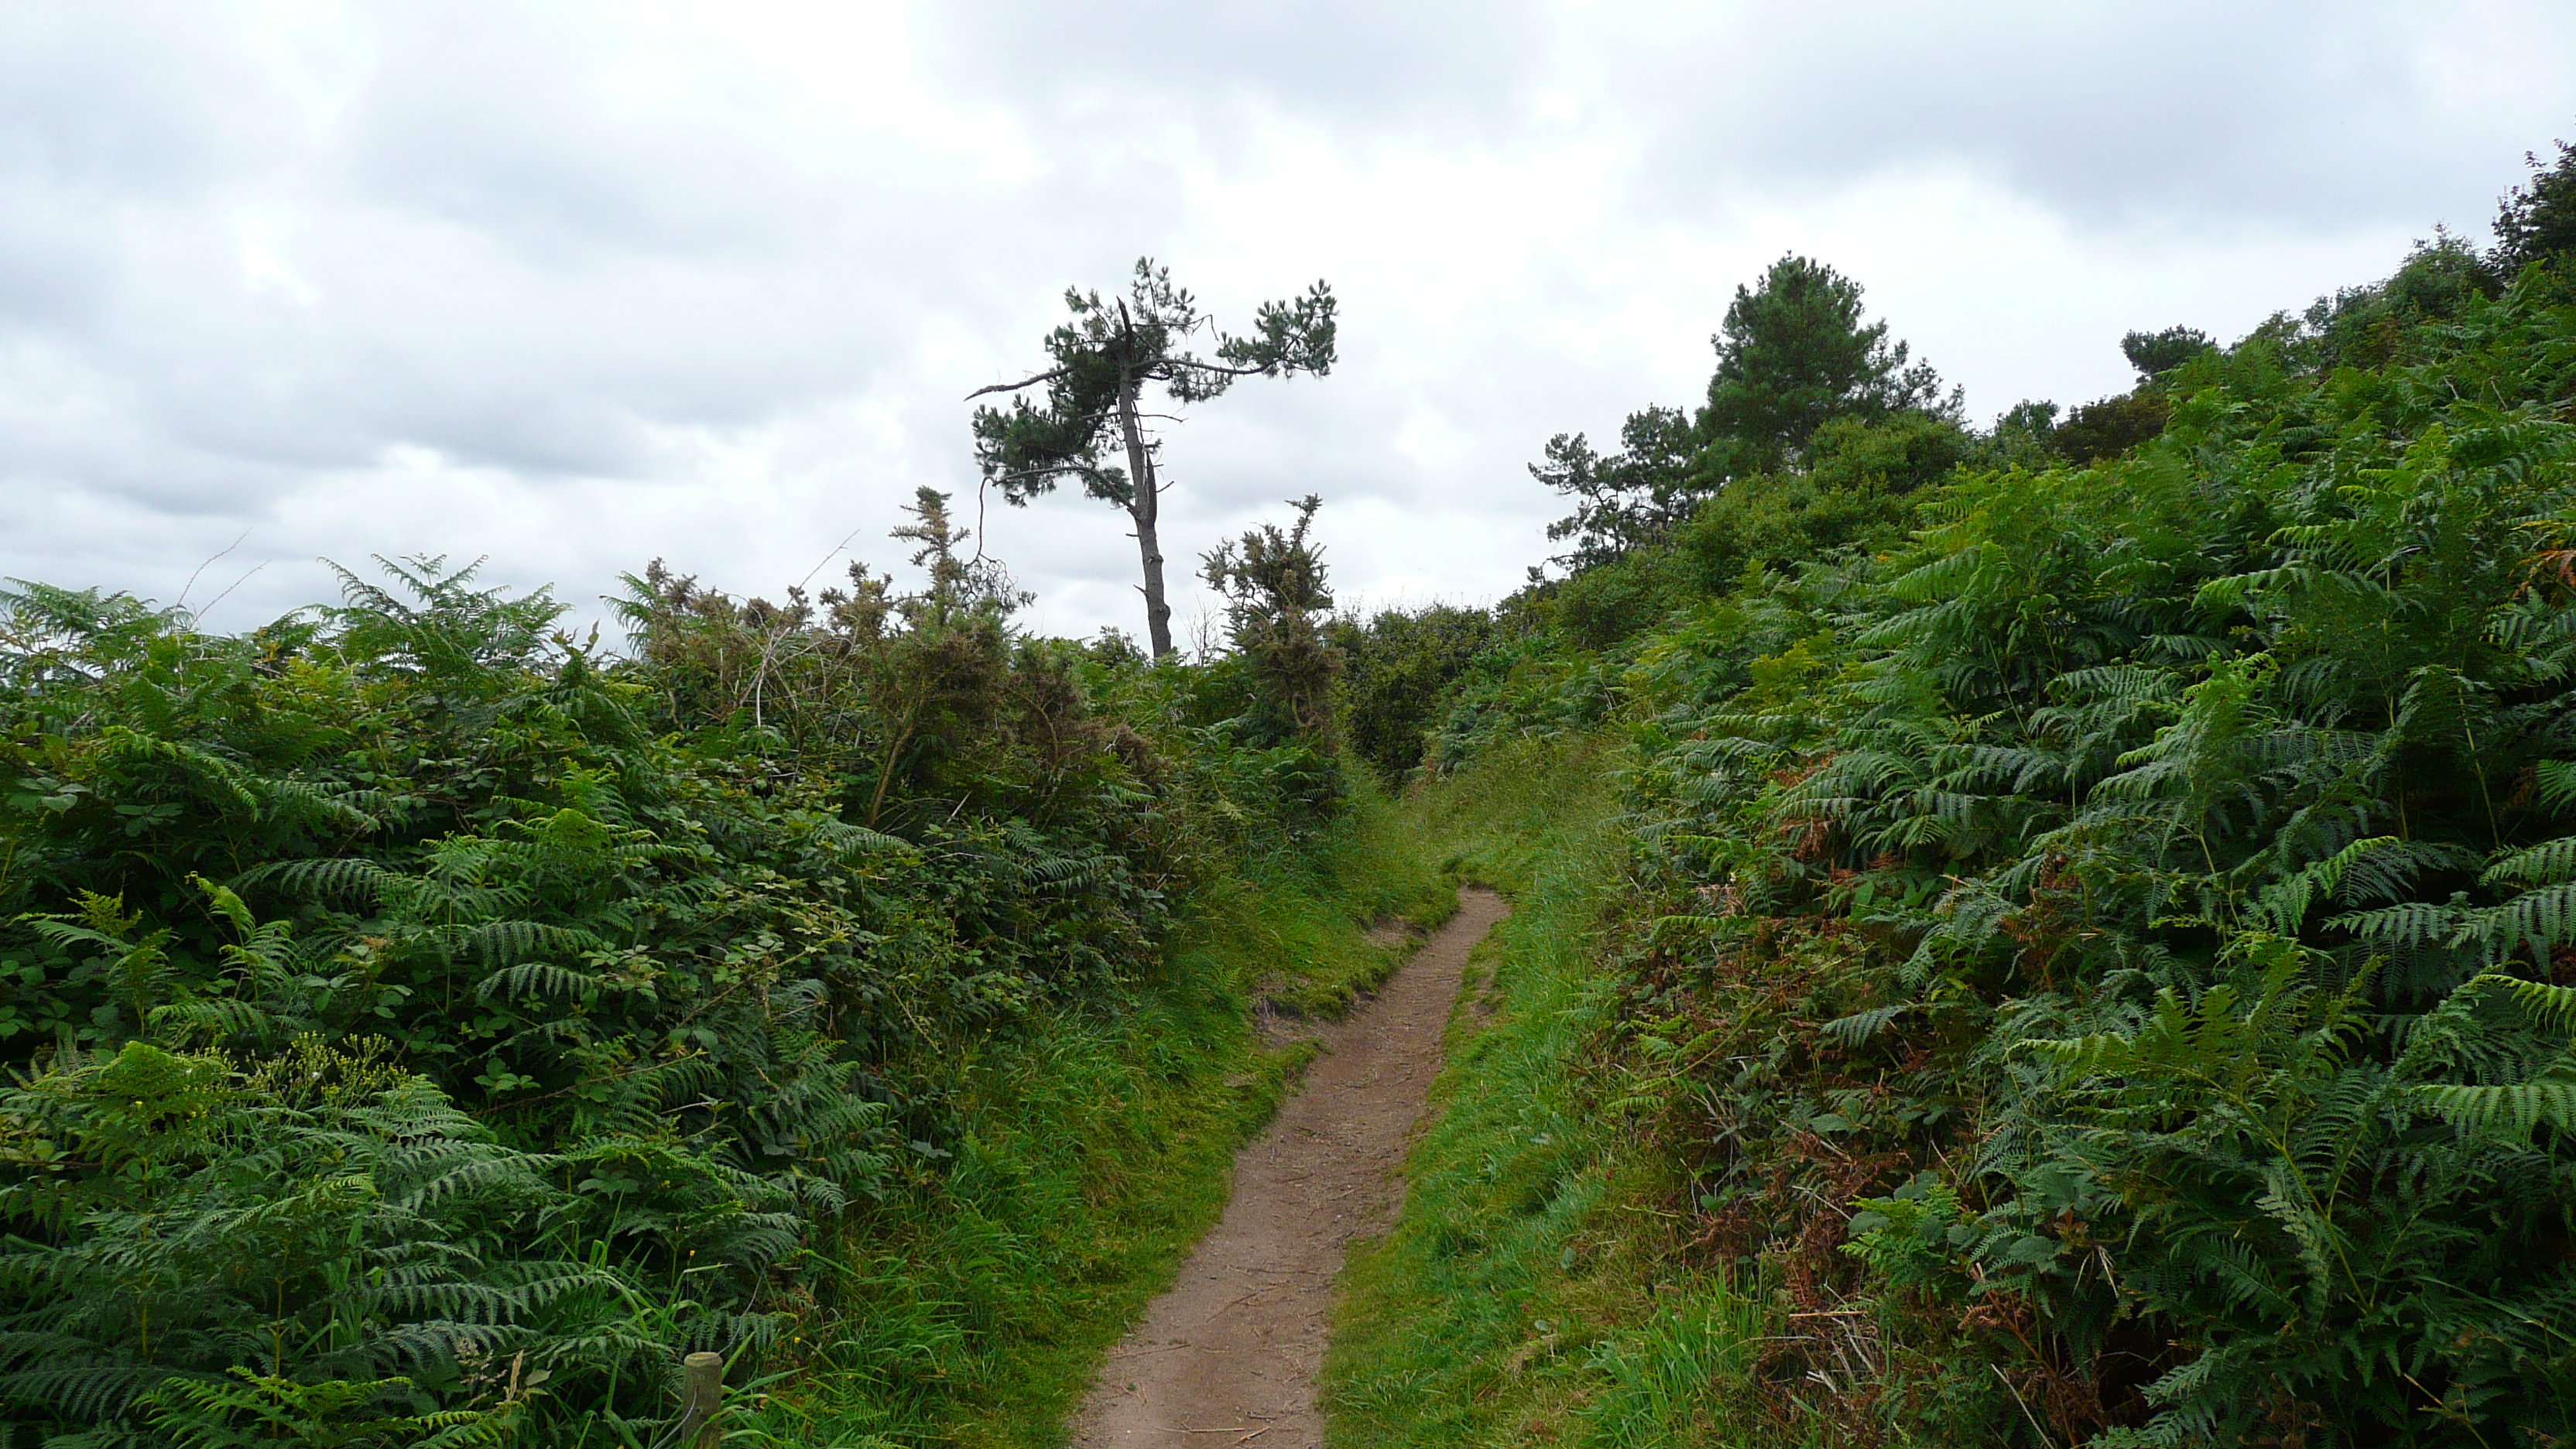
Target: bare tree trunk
<point x="1144" y="509"/>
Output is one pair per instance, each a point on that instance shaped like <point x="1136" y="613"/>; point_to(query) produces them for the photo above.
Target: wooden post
<point x="705" y="1378"/>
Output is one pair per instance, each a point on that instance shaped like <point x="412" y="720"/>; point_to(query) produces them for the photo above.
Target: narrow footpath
<point x="1229" y="1355"/>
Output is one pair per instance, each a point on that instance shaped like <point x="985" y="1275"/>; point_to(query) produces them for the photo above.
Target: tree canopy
<point x="2537" y="220"/>
<point x="1104" y="357"/>
<point x="1793" y="354"/>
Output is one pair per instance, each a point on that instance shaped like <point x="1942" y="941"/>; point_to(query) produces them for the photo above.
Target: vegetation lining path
<point x="1234" y="1346"/>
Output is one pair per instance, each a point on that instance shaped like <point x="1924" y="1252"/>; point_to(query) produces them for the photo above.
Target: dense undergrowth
<point x="2086" y="953"/>
<point x="427" y="1026"/>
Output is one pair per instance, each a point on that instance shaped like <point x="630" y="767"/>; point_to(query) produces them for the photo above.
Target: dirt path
<point x="1229" y="1354"/>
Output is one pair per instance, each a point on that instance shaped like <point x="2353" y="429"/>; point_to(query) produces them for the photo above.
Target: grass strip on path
<point x="1514" y="1303"/>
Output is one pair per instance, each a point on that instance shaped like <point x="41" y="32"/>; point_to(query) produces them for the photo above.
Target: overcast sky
<point x="577" y="287"/>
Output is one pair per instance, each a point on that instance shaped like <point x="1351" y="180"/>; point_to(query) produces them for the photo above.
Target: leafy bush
<point x="326" y="1224"/>
<point x="2139" y="902"/>
<point x="2536" y="221"/>
<point x="1398" y="672"/>
<point x="430" y="1027"/>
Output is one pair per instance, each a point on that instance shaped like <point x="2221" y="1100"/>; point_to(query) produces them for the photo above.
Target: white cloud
<point x="579" y="286"/>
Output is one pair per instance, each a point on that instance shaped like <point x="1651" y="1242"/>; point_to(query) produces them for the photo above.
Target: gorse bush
<point x="429" y="1027"/>
<point x="1274" y="583"/>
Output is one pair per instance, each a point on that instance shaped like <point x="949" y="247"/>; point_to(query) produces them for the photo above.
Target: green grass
<point x="1379" y="868"/>
<point x="1513" y="1303"/>
<point x="972" y="1307"/>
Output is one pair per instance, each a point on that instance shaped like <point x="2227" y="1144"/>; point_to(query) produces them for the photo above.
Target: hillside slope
<point x="2085" y="952"/>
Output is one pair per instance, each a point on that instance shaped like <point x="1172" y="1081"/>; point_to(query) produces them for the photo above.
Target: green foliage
<point x="2385" y="323"/>
<point x="2091" y="963"/>
<point x="2154" y="354"/>
<point x="1104" y="359"/>
<point x="2165" y="857"/>
<point x="1114" y="347"/>
<point x="428" y="1028"/>
<point x="1793" y="355"/>
<point x="1398" y="670"/>
<point x="1909" y="1237"/>
<point x="1856" y="490"/>
<point x="1855" y="486"/>
<point x="1108" y="350"/>
<point x="2290" y="1209"/>
<point x="1631" y="497"/>
<point x="318" y="1241"/>
<point x="2536" y="221"/>
<point x="1792" y="358"/>
<point x="2110" y="427"/>
<point x="1274" y="583"/>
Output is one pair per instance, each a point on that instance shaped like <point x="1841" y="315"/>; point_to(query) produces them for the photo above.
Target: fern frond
<point x="2515" y="1107"/>
<point x="1860" y="1026"/>
<point x="537" y="978"/>
<point x="2545" y="864"/>
<point x="352" y="877"/>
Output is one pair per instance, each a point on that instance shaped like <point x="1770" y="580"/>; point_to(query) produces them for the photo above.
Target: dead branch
<point x="1048" y="376"/>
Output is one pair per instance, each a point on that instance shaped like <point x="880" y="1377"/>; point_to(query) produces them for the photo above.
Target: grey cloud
<point x="504" y="119"/>
<point x="2310" y="115"/>
<point x="53" y="275"/>
<point x="1356" y="63"/>
<point x="453" y="276"/>
<point x="129" y="99"/>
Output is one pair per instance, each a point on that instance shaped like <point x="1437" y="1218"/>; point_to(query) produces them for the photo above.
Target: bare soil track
<point x="1229" y="1355"/>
